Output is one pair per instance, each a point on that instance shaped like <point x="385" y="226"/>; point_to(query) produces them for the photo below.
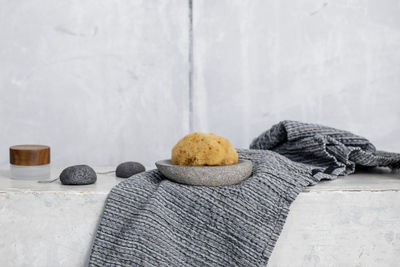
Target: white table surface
<point x="379" y="179"/>
<point x="103" y="184"/>
<point x="356" y="217"/>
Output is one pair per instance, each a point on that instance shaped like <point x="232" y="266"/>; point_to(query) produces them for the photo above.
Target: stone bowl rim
<point x="168" y="162"/>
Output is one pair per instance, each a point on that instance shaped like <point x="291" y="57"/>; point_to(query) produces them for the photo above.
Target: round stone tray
<point x="206" y="175"/>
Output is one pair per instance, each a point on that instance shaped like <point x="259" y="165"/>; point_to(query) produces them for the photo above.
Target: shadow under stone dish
<point x="206" y="175"/>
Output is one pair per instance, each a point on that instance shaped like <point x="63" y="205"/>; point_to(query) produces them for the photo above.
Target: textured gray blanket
<point x="151" y="221"/>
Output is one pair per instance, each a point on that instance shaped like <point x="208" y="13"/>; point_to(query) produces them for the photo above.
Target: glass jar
<point x="30" y="162"/>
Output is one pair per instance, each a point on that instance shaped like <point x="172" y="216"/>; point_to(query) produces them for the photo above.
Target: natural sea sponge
<point x="199" y="149"/>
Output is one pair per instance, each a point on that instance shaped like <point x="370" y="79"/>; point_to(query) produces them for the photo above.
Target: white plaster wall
<point x="332" y="62"/>
<point x="99" y="81"/>
<point x="106" y="81"/>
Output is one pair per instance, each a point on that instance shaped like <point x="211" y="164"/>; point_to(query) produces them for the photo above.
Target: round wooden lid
<point x="29" y="155"/>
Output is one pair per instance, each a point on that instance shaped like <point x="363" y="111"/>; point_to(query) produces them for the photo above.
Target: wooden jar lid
<point x="29" y="155"/>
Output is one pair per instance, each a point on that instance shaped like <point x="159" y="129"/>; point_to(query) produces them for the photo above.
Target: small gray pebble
<point x="129" y="168"/>
<point x="78" y="175"/>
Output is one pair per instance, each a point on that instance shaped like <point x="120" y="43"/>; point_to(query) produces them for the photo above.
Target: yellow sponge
<point x="199" y="149"/>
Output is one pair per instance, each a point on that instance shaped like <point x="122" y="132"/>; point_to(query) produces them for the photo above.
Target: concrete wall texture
<point x="103" y="82"/>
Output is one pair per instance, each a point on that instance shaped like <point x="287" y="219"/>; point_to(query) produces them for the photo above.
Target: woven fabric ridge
<point x="151" y="221"/>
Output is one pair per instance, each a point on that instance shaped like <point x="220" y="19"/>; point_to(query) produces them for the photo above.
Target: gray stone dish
<point x="206" y="175"/>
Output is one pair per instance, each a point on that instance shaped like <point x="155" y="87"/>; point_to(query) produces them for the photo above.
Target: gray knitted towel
<point x="151" y="221"/>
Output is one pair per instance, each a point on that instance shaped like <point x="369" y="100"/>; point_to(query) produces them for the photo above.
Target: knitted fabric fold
<point x="151" y="221"/>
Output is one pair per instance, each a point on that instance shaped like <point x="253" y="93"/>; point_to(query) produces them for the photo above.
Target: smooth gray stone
<point x="206" y="175"/>
<point x="78" y="175"/>
<point x="129" y="168"/>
